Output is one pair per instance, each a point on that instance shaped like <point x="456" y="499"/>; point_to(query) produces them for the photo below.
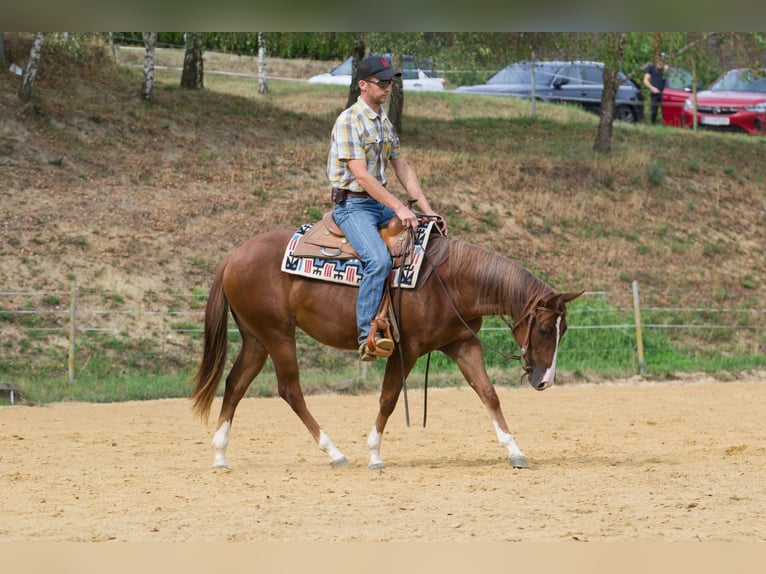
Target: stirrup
<point x="377" y="345"/>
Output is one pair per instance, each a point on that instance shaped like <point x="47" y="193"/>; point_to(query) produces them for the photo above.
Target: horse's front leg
<point x="470" y="358"/>
<point x="389" y="394"/>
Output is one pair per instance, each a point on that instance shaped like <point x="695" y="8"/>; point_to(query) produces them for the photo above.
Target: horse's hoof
<point x="221" y="467"/>
<point x="378" y="466"/>
<point x="518" y="462"/>
<point x="341" y="462"/>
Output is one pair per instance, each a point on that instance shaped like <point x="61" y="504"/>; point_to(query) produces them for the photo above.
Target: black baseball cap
<point x="377" y="66"/>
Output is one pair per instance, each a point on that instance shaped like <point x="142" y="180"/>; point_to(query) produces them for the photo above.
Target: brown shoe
<point x="365" y="354"/>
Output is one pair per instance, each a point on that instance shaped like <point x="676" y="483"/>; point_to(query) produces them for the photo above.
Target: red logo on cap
<point x="384" y="62"/>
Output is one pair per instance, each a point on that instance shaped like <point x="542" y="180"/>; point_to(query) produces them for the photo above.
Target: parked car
<point x="415" y="75"/>
<point x="678" y="88"/>
<point x="576" y="82"/>
<point x="735" y="102"/>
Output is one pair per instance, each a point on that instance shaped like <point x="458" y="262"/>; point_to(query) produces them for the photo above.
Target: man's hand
<point x="408" y="217"/>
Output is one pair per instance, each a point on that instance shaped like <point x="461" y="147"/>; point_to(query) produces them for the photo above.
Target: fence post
<point x="72" y="317"/>
<point x="639" y="336"/>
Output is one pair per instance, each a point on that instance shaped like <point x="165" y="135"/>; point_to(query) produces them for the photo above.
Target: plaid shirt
<point x="360" y="133"/>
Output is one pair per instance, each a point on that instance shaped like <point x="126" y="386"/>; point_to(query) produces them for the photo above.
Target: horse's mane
<point x="503" y="284"/>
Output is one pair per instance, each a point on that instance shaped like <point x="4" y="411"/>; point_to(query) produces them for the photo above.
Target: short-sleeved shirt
<point x="360" y="133"/>
<point x="656" y="75"/>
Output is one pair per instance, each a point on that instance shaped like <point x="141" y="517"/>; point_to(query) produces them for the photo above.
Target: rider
<point x="363" y="142"/>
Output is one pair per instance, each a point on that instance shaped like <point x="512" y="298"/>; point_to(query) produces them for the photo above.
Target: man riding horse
<point x="364" y="141"/>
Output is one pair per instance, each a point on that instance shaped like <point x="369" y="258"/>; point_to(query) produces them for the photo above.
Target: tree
<point x="147" y="87"/>
<point x="3" y="61"/>
<point x="263" y="82"/>
<point x="360" y="49"/>
<point x="612" y="48"/>
<point x="192" y="76"/>
<point x="30" y="73"/>
<point x="396" y="96"/>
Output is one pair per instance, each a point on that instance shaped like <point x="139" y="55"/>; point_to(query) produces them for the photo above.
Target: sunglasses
<point x="382" y="84"/>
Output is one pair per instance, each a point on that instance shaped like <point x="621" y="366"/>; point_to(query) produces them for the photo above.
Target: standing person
<point x="363" y="143"/>
<point x="654" y="79"/>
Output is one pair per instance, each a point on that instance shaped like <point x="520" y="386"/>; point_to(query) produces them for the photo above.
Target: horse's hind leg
<point x="252" y="356"/>
<point x="286" y="367"/>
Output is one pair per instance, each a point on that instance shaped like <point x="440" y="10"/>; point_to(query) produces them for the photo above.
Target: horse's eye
<point x="545" y="330"/>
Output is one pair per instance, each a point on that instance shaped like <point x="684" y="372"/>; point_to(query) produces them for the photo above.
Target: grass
<point x="600" y="344"/>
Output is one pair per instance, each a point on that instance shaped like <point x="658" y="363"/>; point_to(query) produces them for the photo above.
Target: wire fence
<point x="87" y="330"/>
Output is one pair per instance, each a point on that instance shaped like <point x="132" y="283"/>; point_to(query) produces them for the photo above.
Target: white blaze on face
<point x="550" y="373"/>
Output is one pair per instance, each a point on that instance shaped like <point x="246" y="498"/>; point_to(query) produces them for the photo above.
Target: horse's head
<point x="538" y="333"/>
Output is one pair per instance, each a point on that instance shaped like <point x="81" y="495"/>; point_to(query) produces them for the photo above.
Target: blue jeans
<point x="360" y="218"/>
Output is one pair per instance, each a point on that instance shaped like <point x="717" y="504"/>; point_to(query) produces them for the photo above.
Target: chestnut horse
<point x="443" y="313"/>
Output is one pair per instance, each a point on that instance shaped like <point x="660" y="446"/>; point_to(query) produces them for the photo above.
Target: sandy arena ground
<point x="628" y="462"/>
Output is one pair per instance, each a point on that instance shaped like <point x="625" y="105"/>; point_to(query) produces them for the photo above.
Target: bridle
<point x="531" y="314"/>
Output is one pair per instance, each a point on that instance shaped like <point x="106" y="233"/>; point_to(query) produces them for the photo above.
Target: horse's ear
<point x="558" y="300"/>
<point x="570" y="296"/>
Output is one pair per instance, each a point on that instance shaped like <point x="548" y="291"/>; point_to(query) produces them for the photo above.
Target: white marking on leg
<point x="220" y="441"/>
<point x="507" y="440"/>
<point x="373" y="443"/>
<point x="327" y="446"/>
<point x="550" y="373"/>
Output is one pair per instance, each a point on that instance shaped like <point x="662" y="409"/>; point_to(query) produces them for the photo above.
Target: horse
<point x="466" y="283"/>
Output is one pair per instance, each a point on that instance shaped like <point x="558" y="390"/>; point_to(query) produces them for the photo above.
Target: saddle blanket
<point x="349" y="271"/>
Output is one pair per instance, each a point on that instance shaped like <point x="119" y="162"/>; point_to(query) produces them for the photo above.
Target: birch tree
<point x="192" y="76"/>
<point x="30" y="73"/>
<point x="147" y="87"/>
<point x="263" y="83"/>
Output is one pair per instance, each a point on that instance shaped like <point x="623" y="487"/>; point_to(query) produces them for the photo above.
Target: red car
<point x="678" y="88"/>
<point x="735" y="102"/>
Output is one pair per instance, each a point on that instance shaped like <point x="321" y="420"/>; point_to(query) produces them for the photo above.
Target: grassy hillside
<point x="139" y="202"/>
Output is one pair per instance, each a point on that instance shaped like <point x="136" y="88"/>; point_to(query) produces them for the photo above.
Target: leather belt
<point x="356" y="193"/>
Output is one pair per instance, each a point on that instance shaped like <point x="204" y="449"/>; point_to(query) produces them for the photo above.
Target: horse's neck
<point x="499" y="285"/>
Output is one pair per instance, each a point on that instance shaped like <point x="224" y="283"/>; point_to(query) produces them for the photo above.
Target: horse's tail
<point x="216" y="342"/>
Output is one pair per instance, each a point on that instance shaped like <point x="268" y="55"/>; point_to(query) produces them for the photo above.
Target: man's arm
<point x="409" y="180"/>
<point x="648" y="83"/>
<point x="372" y="186"/>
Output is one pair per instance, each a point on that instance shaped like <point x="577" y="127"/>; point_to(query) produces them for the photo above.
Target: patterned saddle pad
<point x="349" y="271"/>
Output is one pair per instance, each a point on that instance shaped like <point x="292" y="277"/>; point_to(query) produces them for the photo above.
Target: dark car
<point x="735" y="102"/>
<point x="575" y="82"/>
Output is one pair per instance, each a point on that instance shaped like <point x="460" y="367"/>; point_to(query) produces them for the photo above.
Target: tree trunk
<point x="360" y="47"/>
<point x="603" y="143"/>
<point x="396" y="97"/>
<point x="28" y="81"/>
<point x="613" y="63"/>
<point x="3" y="60"/>
<point x="147" y="87"/>
<point x="263" y="82"/>
<point x="192" y="76"/>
